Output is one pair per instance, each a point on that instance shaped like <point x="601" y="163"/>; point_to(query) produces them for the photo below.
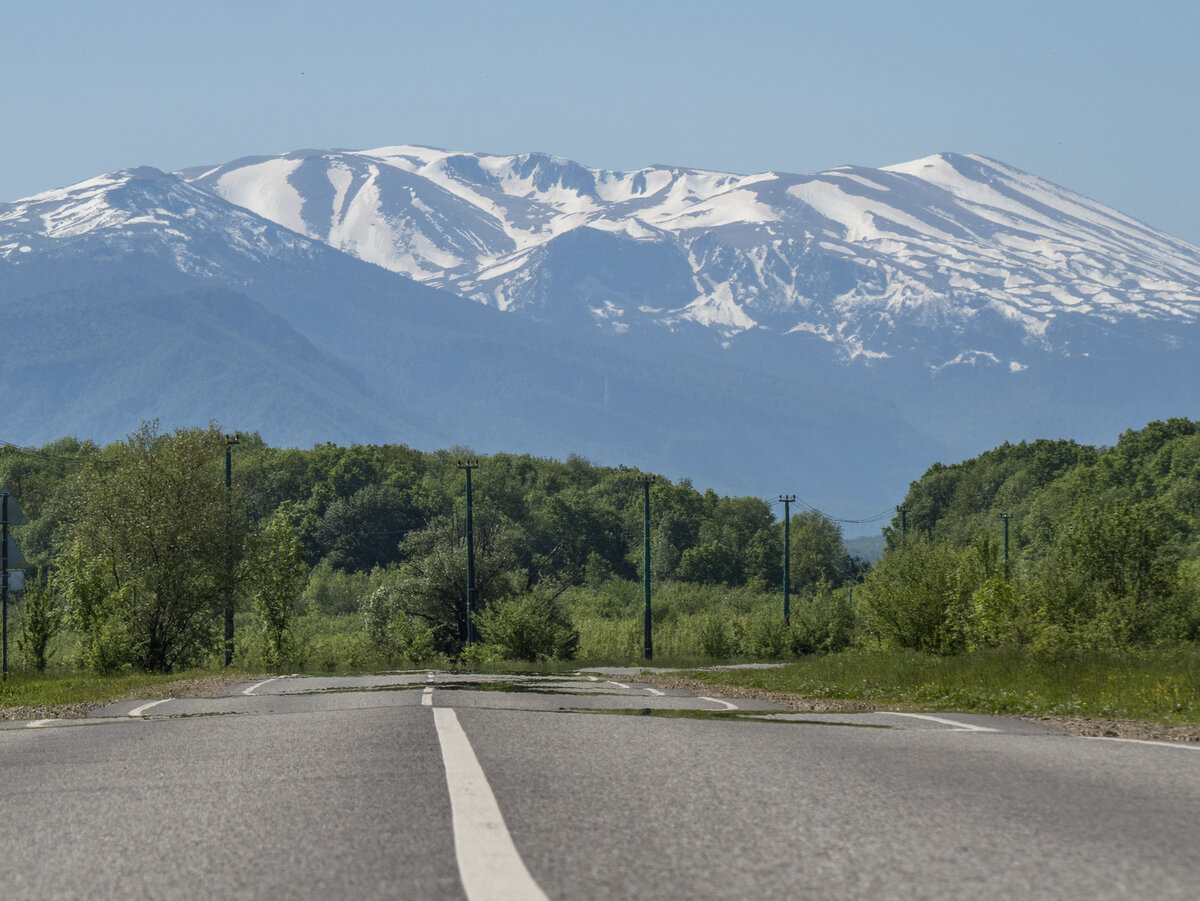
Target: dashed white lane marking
<point x="958" y="727"/>
<point x="250" y="690"/>
<point x="656" y="692"/>
<point x="488" y="862"/>
<point x="1145" y="741"/>
<point x="593" y="678"/>
<point x="427" y="697"/>
<point x="38" y="724"/>
<point x="429" y="677"/>
<point x="141" y="711"/>
<point x="726" y="704"/>
<point x="618" y="684"/>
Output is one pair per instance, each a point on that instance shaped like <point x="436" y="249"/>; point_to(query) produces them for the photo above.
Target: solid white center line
<point x="960" y="727"/>
<point x="726" y="704"/>
<point x="141" y="711"/>
<point x="250" y="690"/>
<point x="427" y="696"/>
<point x="488" y="862"/>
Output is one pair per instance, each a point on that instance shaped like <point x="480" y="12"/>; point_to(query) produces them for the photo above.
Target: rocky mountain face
<point x="829" y="335"/>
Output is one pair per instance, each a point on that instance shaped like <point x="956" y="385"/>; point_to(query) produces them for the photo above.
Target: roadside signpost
<point x="10" y="555"/>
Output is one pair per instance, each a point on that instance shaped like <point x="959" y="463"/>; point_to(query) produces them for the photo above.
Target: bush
<point x="823" y="625"/>
<point x="528" y="627"/>
<point x="912" y="598"/>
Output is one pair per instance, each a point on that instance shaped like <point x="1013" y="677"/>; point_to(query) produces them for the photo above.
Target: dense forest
<point x="167" y="550"/>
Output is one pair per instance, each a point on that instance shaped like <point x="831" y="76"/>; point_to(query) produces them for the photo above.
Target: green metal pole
<point x="1005" y="516"/>
<point x="4" y="575"/>
<point x="647" y="636"/>
<point x="787" y="557"/>
<point x="468" y="466"/>
<point x="230" y="441"/>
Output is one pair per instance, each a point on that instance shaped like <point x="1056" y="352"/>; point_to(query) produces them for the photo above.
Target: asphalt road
<point x="434" y="785"/>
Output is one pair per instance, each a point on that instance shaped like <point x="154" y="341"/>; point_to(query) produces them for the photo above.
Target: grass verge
<point x="30" y="690"/>
<point x="1159" y="685"/>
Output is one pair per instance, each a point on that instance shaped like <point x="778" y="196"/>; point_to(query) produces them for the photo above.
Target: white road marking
<point x="141" y="711"/>
<point x="250" y="690"/>
<point x="427" y="697"/>
<point x="429" y="677"/>
<point x="1145" y="741"/>
<point x="38" y="724"/>
<point x="656" y="692"/>
<point x="958" y="727"/>
<point x="726" y="704"/>
<point x="594" y="678"/>
<point x="488" y="862"/>
<point x="618" y="684"/>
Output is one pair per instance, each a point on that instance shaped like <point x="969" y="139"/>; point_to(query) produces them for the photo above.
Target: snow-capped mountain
<point x="955" y="258"/>
<point x="829" y="335"/>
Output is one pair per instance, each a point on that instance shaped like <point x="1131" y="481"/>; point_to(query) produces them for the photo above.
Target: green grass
<point x="1160" y="685"/>
<point x="73" y="687"/>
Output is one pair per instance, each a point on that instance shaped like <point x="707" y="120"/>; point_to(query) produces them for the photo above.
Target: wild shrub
<point x="912" y="596"/>
<point x="528" y="627"/>
<point x="824" y="624"/>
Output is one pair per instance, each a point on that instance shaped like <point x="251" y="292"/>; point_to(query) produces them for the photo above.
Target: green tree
<point x="276" y="573"/>
<point x="433" y="578"/>
<point x="42" y="619"/>
<point x="154" y="512"/>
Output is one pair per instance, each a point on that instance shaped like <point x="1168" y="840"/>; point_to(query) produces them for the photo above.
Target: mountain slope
<point x="138" y="295"/>
<point x="948" y="260"/>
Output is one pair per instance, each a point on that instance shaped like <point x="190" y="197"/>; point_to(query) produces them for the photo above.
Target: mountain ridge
<point x="849" y="327"/>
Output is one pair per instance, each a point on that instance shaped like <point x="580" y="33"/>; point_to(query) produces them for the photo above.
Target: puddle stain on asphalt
<point x="760" y="716"/>
<point x="499" y="686"/>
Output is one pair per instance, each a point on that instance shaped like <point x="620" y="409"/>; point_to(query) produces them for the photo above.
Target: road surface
<point x="438" y="785"/>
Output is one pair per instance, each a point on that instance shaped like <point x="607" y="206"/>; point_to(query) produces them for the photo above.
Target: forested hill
<point x="1103" y="546"/>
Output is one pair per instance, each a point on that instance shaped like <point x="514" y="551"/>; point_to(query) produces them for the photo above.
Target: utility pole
<point x="1005" y="517"/>
<point x="647" y="637"/>
<point x="787" y="500"/>
<point x="4" y="574"/>
<point x="10" y="515"/>
<point x="230" y="441"/>
<point x="469" y="465"/>
<point x="903" y="511"/>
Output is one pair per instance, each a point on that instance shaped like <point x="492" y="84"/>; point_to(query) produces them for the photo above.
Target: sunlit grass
<point x="1159" y="685"/>
<point x="73" y="687"/>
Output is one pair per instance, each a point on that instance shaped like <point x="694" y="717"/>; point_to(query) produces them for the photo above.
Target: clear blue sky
<point x="1098" y="96"/>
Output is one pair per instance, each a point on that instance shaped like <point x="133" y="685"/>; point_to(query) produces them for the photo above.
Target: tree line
<point x="356" y="556"/>
<point x="136" y="547"/>
<point x="1103" y="548"/>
